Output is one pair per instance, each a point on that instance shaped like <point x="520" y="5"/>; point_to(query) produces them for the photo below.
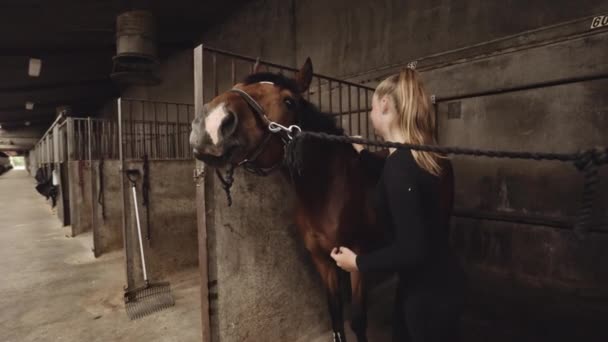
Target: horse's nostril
<point x="229" y="124"/>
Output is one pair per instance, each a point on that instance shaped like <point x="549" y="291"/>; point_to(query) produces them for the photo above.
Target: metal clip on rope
<point x="276" y="128"/>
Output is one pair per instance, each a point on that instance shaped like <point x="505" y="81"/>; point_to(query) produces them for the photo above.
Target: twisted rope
<point x="586" y="161"/>
<point x="227" y="181"/>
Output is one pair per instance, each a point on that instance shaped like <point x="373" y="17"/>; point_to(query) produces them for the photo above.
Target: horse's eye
<point x="289" y="102"/>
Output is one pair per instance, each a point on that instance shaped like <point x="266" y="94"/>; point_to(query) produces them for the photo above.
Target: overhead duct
<point x="136" y="60"/>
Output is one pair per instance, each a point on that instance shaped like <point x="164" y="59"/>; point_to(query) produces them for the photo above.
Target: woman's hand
<point x="345" y="259"/>
<point x="357" y="147"/>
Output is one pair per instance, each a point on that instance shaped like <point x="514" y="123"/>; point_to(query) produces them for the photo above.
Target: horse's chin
<point x="216" y="161"/>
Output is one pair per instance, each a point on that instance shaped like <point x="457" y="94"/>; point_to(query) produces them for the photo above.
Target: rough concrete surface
<point x="79" y="178"/>
<point x="173" y="244"/>
<point x="109" y="209"/>
<point x="53" y="289"/>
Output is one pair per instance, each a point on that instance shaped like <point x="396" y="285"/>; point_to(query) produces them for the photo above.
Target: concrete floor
<point x="53" y="289"/>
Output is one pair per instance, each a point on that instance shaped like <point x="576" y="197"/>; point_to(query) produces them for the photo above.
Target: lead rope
<point x="227" y="182"/>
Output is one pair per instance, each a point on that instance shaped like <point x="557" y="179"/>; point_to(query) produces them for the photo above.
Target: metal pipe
<point x="340" y="102"/>
<point x="319" y="94"/>
<point x="155" y="129"/>
<point x="359" y="130"/>
<point x="126" y="238"/>
<point x="350" y="109"/>
<point x="166" y="155"/>
<point x="177" y="135"/>
<point x="530" y="86"/>
<point x="331" y="108"/>
<point x="367" y="114"/>
<point x="270" y="64"/>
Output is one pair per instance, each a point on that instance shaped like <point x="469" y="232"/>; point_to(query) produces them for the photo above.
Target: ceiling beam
<point x="92" y="101"/>
<point x="42" y="52"/>
<point x="55" y="85"/>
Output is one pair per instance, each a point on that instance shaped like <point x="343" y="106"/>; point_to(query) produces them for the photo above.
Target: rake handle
<point x="141" y="245"/>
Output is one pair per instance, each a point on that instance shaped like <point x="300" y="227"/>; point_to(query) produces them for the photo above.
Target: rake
<point x="151" y="297"/>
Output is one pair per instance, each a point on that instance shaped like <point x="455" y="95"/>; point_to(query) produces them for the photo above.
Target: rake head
<point x="148" y="299"/>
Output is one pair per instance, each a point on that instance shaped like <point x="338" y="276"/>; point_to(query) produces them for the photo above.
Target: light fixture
<point x="0" y="126"/>
<point x="27" y="123"/>
<point x="29" y="105"/>
<point x="34" y="68"/>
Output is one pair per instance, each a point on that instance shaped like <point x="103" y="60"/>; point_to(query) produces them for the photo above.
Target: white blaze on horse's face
<point x="214" y="120"/>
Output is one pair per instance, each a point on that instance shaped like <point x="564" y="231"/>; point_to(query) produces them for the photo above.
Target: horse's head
<point x="233" y="127"/>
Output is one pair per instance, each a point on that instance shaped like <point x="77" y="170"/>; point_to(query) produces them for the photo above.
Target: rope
<point x="227" y="181"/>
<point x="586" y="161"/>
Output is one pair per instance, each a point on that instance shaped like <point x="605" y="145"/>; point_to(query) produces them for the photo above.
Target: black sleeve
<point x="372" y="163"/>
<point x="409" y="247"/>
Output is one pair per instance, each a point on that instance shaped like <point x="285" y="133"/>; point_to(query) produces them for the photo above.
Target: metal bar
<point x="359" y="130"/>
<point x="125" y="233"/>
<point x="89" y="140"/>
<point x="367" y="114"/>
<point x="134" y="99"/>
<point x="199" y="102"/>
<point x="514" y="218"/>
<point x="143" y="130"/>
<point x="274" y="65"/>
<point x="530" y="86"/>
<point x="156" y="134"/>
<point x="131" y="141"/>
<point x="350" y="112"/>
<point x="177" y="135"/>
<point x="319" y="94"/>
<point x="350" y="109"/>
<point x="340" y="102"/>
<point x="167" y="153"/>
<point x="331" y="108"/>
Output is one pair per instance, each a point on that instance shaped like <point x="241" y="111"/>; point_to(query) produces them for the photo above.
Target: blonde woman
<point x="429" y="292"/>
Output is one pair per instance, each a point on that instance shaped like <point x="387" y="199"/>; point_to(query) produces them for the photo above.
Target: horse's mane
<point x="310" y="118"/>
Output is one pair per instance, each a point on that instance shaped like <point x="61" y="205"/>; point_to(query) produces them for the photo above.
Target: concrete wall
<point x="264" y="287"/>
<point x="108" y="232"/>
<point x="63" y="194"/>
<point x="79" y="177"/>
<point x="348" y="37"/>
<point x="172" y="220"/>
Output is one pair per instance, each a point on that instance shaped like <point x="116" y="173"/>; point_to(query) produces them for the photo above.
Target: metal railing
<point x="348" y="102"/>
<point x="158" y="130"/>
<point x="73" y="138"/>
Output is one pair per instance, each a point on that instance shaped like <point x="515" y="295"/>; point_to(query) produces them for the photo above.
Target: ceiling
<point x="76" y="41"/>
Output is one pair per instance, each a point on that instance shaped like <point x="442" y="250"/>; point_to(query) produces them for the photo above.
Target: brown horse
<point x="250" y="125"/>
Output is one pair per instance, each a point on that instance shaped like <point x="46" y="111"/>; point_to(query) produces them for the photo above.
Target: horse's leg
<point x="358" y="321"/>
<point x="329" y="274"/>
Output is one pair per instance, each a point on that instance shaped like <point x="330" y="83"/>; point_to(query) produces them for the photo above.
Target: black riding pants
<point x="427" y="315"/>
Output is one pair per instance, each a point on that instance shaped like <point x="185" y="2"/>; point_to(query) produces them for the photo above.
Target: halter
<point x="285" y="133"/>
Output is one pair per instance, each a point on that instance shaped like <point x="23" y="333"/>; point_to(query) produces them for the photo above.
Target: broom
<point x="151" y="297"/>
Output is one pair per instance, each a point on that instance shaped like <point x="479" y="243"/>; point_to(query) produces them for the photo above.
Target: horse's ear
<point x="257" y="67"/>
<point x="304" y="76"/>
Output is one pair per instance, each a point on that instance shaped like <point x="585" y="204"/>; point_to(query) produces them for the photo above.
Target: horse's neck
<point x="326" y="167"/>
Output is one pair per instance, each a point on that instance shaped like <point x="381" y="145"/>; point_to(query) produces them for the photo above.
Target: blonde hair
<point x="415" y="115"/>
